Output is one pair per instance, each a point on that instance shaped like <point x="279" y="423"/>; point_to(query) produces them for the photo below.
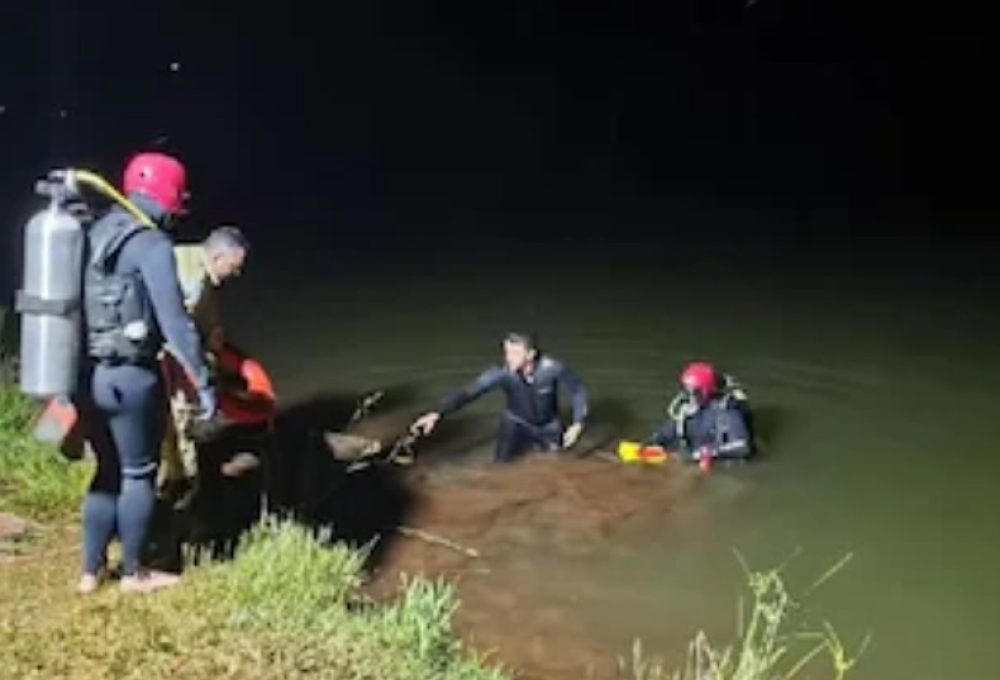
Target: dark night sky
<point x="569" y="115"/>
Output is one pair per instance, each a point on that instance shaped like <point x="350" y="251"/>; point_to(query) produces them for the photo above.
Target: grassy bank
<point x="35" y="479"/>
<point x="288" y="606"/>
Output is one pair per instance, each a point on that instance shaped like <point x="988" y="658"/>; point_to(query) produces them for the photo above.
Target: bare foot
<point x="148" y="581"/>
<point x="88" y="584"/>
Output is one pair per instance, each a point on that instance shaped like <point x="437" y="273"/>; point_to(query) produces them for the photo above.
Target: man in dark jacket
<point x="531" y="382"/>
<point x="133" y="310"/>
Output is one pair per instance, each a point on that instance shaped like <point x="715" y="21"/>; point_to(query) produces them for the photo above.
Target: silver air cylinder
<point x="50" y="302"/>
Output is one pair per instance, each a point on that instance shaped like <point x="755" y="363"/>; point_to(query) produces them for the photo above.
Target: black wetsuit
<point x="719" y="428"/>
<point x="531" y="418"/>
<point x="123" y="407"/>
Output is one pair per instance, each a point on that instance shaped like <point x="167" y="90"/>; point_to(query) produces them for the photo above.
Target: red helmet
<point x="159" y="177"/>
<point x="700" y="379"/>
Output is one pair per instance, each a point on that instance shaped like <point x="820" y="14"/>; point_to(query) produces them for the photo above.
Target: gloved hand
<point x="572" y="435"/>
<point x="207" y="403"/>
<point x="425" y="424"/>
<point x="204" y="425"/>
<point x="704" y="453"/>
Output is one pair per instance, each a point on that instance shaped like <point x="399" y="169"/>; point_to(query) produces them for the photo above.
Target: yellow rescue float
<point x="634" y="452"/>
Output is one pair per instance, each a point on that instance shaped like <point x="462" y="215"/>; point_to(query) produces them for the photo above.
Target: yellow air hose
<point x="99" y="184"/>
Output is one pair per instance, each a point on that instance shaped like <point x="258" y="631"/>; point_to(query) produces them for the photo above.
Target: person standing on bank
<point x="531" y="381"/>
<point x="133" y="310"/>
<point x="202" y="269"/>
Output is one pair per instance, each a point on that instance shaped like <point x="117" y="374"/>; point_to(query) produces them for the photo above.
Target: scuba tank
<point x="50" y="300"/>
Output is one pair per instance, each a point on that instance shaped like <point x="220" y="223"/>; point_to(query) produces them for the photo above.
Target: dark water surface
<point x="873" y="369"/>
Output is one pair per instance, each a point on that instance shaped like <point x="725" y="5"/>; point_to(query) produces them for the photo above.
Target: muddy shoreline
<point x="524" y="520"/>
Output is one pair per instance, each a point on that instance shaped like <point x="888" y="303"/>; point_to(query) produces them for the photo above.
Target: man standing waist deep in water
<point x="531" y="382"/>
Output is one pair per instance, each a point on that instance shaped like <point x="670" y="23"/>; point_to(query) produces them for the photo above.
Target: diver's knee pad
<point x="147" y="471"/>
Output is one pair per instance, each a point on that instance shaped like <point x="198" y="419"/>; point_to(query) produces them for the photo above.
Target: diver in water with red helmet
<point x="709" y="418"/>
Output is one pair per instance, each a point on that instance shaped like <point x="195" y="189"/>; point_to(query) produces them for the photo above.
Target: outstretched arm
<point x="487" y="380"/>
<point x="666" y="436"/>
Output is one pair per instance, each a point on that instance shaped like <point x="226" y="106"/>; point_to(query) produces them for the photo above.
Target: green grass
<point x="35" y="479"/>
<point x="771" y="643"/>
<point x="286" y="607"/>
<point x="7" y="347"/>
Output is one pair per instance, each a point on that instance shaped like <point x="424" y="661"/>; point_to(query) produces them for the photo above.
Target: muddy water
<point x="876" y="393"/>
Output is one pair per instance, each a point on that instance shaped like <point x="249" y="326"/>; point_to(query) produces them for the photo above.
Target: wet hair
<point x="227" y="239"/>
<point x="528" y="340"/>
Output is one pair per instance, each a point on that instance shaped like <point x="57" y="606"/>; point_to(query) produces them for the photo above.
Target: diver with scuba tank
<point x="709" y="418"/>
<point x="133" y="309"/>
<point x="112" y="286"/>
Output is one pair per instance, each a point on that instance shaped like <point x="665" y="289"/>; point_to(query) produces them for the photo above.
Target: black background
<point x="326" y="124"/>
